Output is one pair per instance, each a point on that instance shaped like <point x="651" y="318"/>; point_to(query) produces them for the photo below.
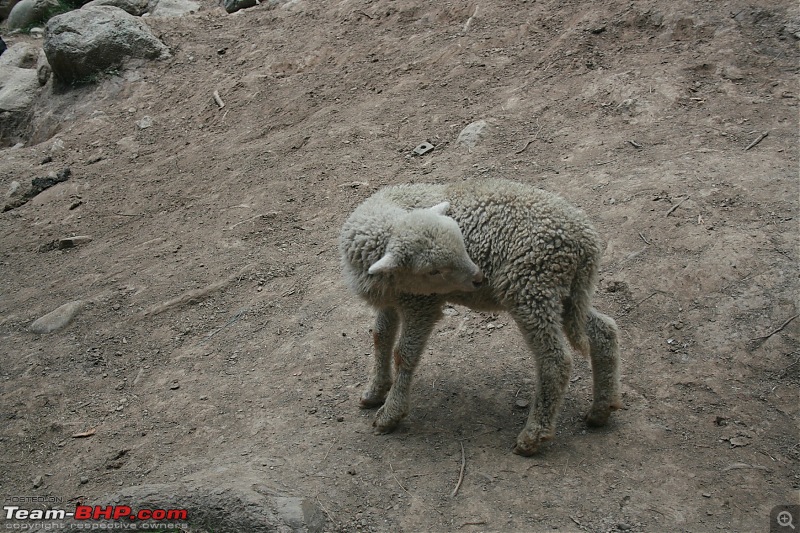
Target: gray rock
<point x="174" y="8"/>
<point x="20" y="55"/>
<point x="84" y="42"/>
<point x="228" y="507"/>
<point x="18" y="90"/>
<point x="231" y="6"/>
<point x="72" y="242"/>
<point x="43" y="69"/>
<point x="12" y="189"/>
<point x="136" y="8"/>
<point x="471" y="134"/>
<point x="28" y="12"/>
<point x="5" y="8"/>
<point x="57" y="319"/>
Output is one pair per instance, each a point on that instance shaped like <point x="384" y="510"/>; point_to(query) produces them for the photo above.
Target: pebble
<point x="522" y="404"/>
<point x="57" y="319"/>
<point x="470" y="135"/>
<point x="37" y="482"/>
<point x="84" y="480"/>
<point x="13" y="188"/>
<point x="622" y="526"/>
<point x="71" y="242"/>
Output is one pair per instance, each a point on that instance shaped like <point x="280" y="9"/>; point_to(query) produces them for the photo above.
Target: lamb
<point x="489" y="245"/>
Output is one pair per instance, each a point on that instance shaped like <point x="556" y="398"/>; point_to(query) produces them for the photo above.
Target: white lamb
<point x="489" y="245"/>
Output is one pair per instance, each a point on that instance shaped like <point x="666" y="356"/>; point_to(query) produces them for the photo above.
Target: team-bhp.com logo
<point x="88" y="516"/>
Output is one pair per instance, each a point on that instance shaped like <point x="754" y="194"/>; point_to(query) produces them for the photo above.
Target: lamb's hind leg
<point x="604" y="353"/>
<point x="553" y="365"/>
<point x="384" y="335"/>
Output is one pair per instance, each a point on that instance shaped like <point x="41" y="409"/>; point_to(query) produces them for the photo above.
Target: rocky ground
<point x="217" y="360"/>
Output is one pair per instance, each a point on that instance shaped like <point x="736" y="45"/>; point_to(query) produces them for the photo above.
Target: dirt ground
<point x="218" y="342"/>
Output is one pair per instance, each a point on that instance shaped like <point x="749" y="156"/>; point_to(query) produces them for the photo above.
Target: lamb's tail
<point x="577" y="304"/>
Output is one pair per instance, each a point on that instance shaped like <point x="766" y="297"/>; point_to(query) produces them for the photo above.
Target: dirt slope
<point x="218" y="337"/>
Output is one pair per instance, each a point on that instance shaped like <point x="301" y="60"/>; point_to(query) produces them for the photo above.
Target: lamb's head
<point x="426" y="255"/>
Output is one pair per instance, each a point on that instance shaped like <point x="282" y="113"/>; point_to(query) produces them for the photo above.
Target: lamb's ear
<point x="440" y="209"/>
<point x="387" y="263"/>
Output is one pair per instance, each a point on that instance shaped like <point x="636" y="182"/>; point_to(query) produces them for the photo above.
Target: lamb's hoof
<point x="598" y="416"/>
<point x="525" y="450"/>
<point x="528" y="442"/>
<point x="385" y="423"/>
<point x="370" y="399"/>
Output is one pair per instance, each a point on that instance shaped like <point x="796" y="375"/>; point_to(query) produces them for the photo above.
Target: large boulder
<point x="20" y="67"/>
<point x="84" y="42"/>
<point x="26" y="13"/>
<point x="173" y="8"/>
<point x="136" y="8"/>
<point x="5" y="8"/>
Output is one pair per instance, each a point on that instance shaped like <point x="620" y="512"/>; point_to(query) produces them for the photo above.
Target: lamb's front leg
<point x="418" y="321"/>
<point x="383" y="335"/>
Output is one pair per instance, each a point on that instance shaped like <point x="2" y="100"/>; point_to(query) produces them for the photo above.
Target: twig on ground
<point x="218" y="99"/>
<point x="469" y="20"/>
<point x="325" y="510"/>
<point x="743" y="466"/>
<point x="674" y="207"/>
<point x="644" y="238"/>
<point x="643" y="300"/>
<point x="233" y="319"/>
<point x="270" y="214"/>
<point x="398" y="481"/>
<point x="758" y="140"/>
<point x="329" y="449"/>
<point x="478" y="523"/>
<point x="778" y="330"/>
<point x="461" y="473"/>
<point x="528" y="143"/>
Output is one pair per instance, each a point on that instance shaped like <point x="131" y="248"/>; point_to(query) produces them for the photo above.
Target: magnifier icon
<point x="785" y="519"/>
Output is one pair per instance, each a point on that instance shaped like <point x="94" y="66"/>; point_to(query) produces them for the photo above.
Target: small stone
<point x="57" y="319"/>
<point x="37" y="482"/>
<point x="71" y="242"/>
<point x="145" y="122"/>
<point x="706" y="495"/>
<point x="12" y="189"/>
<point x="622" y="526"/>
<point x="175" y="385"/>
<point x="340" y="418"/>
<point x="84" y="480"/>
<point x="473" y="132"/>
<point x="522" y="404"/>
